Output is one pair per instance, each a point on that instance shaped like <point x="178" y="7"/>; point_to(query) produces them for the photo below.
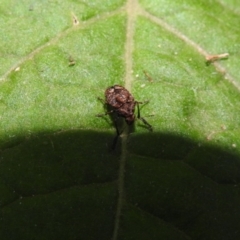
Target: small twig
<point x="148" y="76"/>
<point x="213" y="58"/>
<point x="71" y="61"/>
<point x="74" y="19"/>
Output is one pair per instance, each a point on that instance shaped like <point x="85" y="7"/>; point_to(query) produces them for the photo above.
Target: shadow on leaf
<point x="64" y="185"/>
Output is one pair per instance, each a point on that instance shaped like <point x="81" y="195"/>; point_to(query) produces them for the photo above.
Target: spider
<point x="121" y="102"/>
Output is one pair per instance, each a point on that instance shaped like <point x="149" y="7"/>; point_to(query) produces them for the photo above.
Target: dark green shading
<point x="63" y="185"/>
<point x="165" y="146"/>
<point x="7" y="194"/>
<point x="73" y="213"/>
<point x="160" y="182"/>
<point x="47" y="163"/>
<point x="222" y="166"/>
<point x="58" y="186"/>
<point x="137" y="224"/>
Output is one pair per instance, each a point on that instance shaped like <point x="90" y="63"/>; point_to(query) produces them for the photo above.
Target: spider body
<point x="121" y="101"/>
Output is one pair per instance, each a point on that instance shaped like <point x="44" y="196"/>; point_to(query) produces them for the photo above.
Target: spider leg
<point x="102" y="100"/>
<point x="117" y="136"/>
<point x="149" y="126"/>
<point x="115" y="140"/>
<point x="104" y="114"/>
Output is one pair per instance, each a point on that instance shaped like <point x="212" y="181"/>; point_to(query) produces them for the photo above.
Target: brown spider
<point x="120" y="101"/>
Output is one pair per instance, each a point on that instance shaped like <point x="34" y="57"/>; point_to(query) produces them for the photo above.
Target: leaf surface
<point x="58" y="179"/>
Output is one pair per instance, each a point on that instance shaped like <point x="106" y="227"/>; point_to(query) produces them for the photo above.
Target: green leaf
<point x="58" y="179"/>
